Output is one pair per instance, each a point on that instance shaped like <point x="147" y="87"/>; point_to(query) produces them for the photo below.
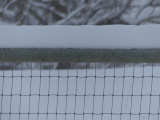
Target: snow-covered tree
<point x="79" y="12"/>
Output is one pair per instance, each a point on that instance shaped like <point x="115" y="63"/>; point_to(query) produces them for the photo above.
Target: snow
<point x="109" y="37"/>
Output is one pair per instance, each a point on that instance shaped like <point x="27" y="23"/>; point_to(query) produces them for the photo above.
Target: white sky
<point x="110" y="36"/>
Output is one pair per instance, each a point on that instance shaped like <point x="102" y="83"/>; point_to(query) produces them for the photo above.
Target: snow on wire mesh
<point x="103" y="92"/>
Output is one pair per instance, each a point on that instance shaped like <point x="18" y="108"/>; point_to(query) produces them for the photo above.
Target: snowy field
<point x="103" y="94"/>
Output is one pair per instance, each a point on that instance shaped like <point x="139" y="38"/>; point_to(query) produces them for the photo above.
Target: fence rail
<point x="79" y="55"/>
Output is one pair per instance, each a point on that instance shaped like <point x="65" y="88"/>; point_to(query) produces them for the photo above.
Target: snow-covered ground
<point x="114" y="36"/>
<point x="67" y="85"/>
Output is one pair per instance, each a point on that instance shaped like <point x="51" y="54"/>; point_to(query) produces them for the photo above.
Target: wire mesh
<point x="89" y="91"/>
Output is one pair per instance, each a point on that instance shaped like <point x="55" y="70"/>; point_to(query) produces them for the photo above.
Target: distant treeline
<point x="38" y="65"/>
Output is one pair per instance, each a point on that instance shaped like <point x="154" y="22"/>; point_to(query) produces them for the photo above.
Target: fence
<point x="101" y="84"/>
